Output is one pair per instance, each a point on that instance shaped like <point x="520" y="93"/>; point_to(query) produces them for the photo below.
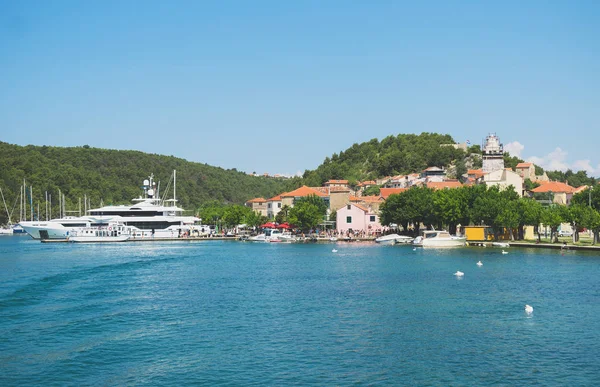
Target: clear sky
<point x="277" y="86"/>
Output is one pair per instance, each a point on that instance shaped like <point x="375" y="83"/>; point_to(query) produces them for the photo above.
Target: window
<point x="278" y="205"/>
<point x="348" y="219"/>
<point x="372" y="218"/>
<point x="269" y="205"/>
<point x="349" y="207"/>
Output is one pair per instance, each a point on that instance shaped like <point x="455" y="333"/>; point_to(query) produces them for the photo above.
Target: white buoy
<point x="504" y="252"/>
<point x="414" y="249"/>
<point x="479" y="263"/>
<point x="459" y="274"/>
<point x="528" y="309"/>
<point x="334" y="251"/>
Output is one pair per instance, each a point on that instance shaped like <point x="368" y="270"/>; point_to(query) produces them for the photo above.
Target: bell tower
<point x="493" y="154"/>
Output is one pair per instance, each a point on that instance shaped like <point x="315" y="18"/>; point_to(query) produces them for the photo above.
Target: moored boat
<point x="392" y="239"/>
<point x="438" y="238"/>
<point x="112" y="233"/>
<point x="149" y="218"/>
<point x="6" y="231"/>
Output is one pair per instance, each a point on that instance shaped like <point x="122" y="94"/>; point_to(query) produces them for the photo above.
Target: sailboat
<point x="6" y="230"/>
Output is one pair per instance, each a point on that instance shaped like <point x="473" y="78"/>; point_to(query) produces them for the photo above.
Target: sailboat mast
<point x="5" y="207"/>
<point x="174" y="186"/>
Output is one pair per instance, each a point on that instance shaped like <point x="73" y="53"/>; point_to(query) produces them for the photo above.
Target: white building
<point x="504" y="178"/>
<point x="493" y="154"/>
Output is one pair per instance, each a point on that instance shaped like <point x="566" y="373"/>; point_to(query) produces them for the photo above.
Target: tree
<point x="576" y="215"/>
<point x="282" y="215"/>
<point x="413" y="206"/>
<point x="235" y="215"/>
<point x="592" y="221"/>
<point x="371" y="191"/>
<point x="307" y="212"/>
<point x="255" y="219"/>
<point x="590" y="196"/>
<point x="530" y="215"/>
<point x="461" y="168"/>
<point x="509" y="217"/>
<point x="448" y="208"/>
<point x="552" y="216"/>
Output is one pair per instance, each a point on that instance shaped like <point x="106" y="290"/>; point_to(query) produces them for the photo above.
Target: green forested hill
<point x="115" y="177"/>
<point x="404" y="153"/>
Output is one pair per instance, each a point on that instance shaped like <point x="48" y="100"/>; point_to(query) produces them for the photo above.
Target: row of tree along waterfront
<point x="499" y="209"/>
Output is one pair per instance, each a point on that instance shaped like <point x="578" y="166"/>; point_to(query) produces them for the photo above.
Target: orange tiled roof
<point x="554" y="186"/>
<point x="365" y="183"/>
<point x="323" y="190"/>
<point x="256" y="200"/>
<point x="444" y="184"/>
<point x="337" y="182"/>
<point x="360" y="207"/>
<point x="303" y="191"/>
<point x="524" y="165"/>
<point x="581" y="189"/>
<point x="275" y="199"/>
<point x="385" y="192"/>
<point x="370" y="199"/>
<point x="476" y="172"/>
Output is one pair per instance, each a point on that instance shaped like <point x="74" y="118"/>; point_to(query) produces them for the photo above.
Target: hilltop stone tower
<point x="493" y="154"/>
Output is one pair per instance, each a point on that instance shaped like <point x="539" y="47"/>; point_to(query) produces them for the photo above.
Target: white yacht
<point x="115" y="232"/>
<point x="149" y="217"/>
<point x="438" y="238"/>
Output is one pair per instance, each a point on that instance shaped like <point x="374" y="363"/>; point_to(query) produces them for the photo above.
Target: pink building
<point x="357" y="218"/>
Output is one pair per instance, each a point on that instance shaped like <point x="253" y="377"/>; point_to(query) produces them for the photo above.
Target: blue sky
<point x="277" y="86"/>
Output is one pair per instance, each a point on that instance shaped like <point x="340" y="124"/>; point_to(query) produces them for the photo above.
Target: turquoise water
<point x="234" y="313"/>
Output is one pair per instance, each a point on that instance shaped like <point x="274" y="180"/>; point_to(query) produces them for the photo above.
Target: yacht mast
<point x="5" y="207"/>
<point x="174" y="187"/>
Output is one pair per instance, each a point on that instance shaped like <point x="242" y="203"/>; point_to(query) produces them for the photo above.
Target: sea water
<point x="240" y="313"/>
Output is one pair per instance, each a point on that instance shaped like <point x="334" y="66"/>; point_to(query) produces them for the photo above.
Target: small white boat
<point x="6" y="231"/>
<point x="439" y="238"/>
<point x="273" y="235"/>
<point x="500" y="244"/>
<point x="112" y="233"/>
<point x="392" y="239"/>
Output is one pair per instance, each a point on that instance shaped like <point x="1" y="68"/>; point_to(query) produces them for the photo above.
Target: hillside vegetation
<point x="401" y="154"/>
<point x="116" y="176"/>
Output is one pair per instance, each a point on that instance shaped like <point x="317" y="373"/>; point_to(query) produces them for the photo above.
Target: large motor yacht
<point x="149" y="217"/>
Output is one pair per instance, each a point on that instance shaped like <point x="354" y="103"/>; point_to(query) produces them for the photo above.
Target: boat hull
<point x="98" y="239"/>
<point x="6" y="231"/>
<point x="440" y="242"/>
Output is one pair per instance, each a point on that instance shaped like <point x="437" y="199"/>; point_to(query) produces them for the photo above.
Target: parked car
<point x="565" y="233"/>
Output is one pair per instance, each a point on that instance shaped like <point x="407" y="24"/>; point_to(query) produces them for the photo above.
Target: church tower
<point x="493" y="154"/>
